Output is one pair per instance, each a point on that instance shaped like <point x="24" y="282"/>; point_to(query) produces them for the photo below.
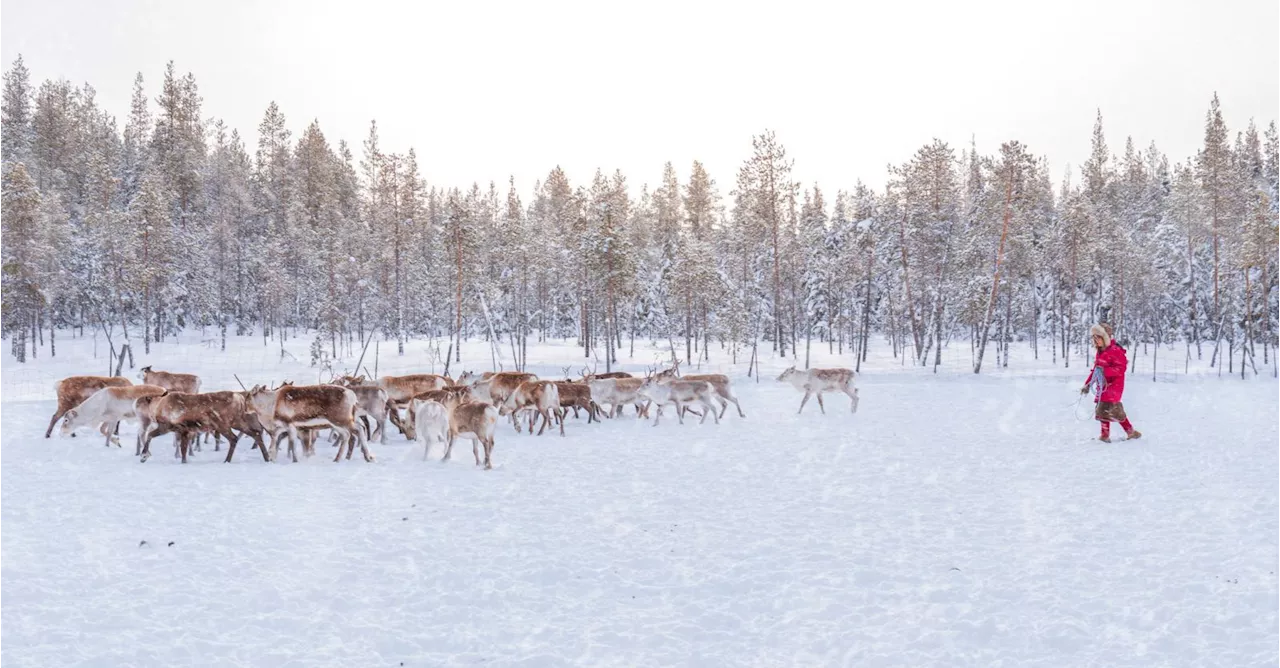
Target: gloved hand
<point x="1084" y="390"/>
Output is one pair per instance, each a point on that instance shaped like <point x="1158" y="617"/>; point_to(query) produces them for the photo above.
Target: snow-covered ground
<point x="955" y="520"/>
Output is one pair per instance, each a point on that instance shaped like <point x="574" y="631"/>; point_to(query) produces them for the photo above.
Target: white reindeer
<point x="681" y="393"/>
<point x="819" y="381"/>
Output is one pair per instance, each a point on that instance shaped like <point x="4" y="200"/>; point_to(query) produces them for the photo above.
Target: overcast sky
<point x="483" y="90"/>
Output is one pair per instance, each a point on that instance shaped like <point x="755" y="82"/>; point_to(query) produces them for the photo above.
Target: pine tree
<point x="21" y="220"/>
<point x="1213" y="166"/>
<point x="16" y="114"/>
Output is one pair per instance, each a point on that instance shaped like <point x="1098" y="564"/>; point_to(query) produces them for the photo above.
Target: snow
<point x="954" y="520"/>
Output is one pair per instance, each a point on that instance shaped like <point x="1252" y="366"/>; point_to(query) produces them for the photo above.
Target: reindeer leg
<point x="293" y="443"/>
<point x="475" y="448"/>
<point x="820" y="406"/>
<point x="184" y="444"/>
<point x="657" y="416"/>
<point x="232" y="439"/>
<point x="394" y="416"/>
<point x="545" y="420"/>
<point x="853" y="399"/>
<point x="342" y="443"/>
<point x="154" y="431"/>
<point x="260" y="445"/>
<point x="57" y="413"/>
<point x="488" y="453"/>
<point x="448" y="449"/>
<point x="803" y="401"/>
<point x="562" y="427"/>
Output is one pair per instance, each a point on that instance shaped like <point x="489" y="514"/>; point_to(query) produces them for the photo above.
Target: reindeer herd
<point x="425" y="408"/>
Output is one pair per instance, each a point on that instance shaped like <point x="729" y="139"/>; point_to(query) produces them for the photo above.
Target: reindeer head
<point x="261" y="402"/>
<point x="68" y="424"/>
<point x="142" y="373"/>
<point x="788" y="375"/>
<point x="509" y="406"/>
<point x="348" y="380"/>
<point x="466" y="378"/>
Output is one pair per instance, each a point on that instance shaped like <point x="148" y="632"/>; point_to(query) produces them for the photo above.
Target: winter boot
<point x="1104" y="439"/>
<point x="1132" y="434"/>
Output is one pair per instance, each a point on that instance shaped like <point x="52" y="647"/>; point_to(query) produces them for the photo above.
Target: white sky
<point x="485" y="89"/>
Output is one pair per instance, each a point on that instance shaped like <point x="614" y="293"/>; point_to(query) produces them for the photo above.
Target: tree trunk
<point x="906" y="279"/>
<point x="995" y="281"/>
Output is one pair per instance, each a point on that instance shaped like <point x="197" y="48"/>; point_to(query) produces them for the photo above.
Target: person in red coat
<point x="1112" y="363"/>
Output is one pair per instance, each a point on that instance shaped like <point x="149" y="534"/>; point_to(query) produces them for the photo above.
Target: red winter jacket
<point x="1113" y="363"/>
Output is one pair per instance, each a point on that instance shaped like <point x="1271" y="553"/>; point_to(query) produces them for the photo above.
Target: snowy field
<point x="956" y="520"/>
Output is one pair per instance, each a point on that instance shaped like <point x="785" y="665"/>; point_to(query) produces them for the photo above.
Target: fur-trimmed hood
<point x="1100" y="330"/>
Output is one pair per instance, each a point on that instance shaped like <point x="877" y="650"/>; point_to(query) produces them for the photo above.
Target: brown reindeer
<point x="496" y="389"/>
<point x="402" y="389"/>
<point x="292" y="407"/>
<point x="74" y="390"/>
<point x="187" y="415"/>
<point x="588" y="377"/>
<point x="174" y="382"/>
<point x="575" y="395"/>
<point x="542" y="397"/>
<point x="477" y="421"/>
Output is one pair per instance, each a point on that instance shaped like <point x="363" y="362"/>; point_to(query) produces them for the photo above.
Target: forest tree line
<point x="177" y="221"/>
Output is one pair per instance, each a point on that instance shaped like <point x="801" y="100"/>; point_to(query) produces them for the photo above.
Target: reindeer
<point x="499" y="387"/>
<point x="291" y="407"/>
<point x="575" y="395"/>
<point x="589" y="375"/>
<point x="74" y="390"/>
<point x="680" y="392"/>
<point x="431" y="410"/>
<point x="724" y="393"/>
<point x="106" y="408"/>
<point x="189" y="414"/>
<point x="431" y="423"/>
<point x="373" y="402"/>
<point x="471" y="378"/>
<point x="477" y="421"/>
<point x="618" y="392"/>
<point x="402" y="389"/>
<point x="542" y="397"/>
<point x="174" y="382"/>
<point x="819" y="381"/>
<point x="449" y="397"/>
